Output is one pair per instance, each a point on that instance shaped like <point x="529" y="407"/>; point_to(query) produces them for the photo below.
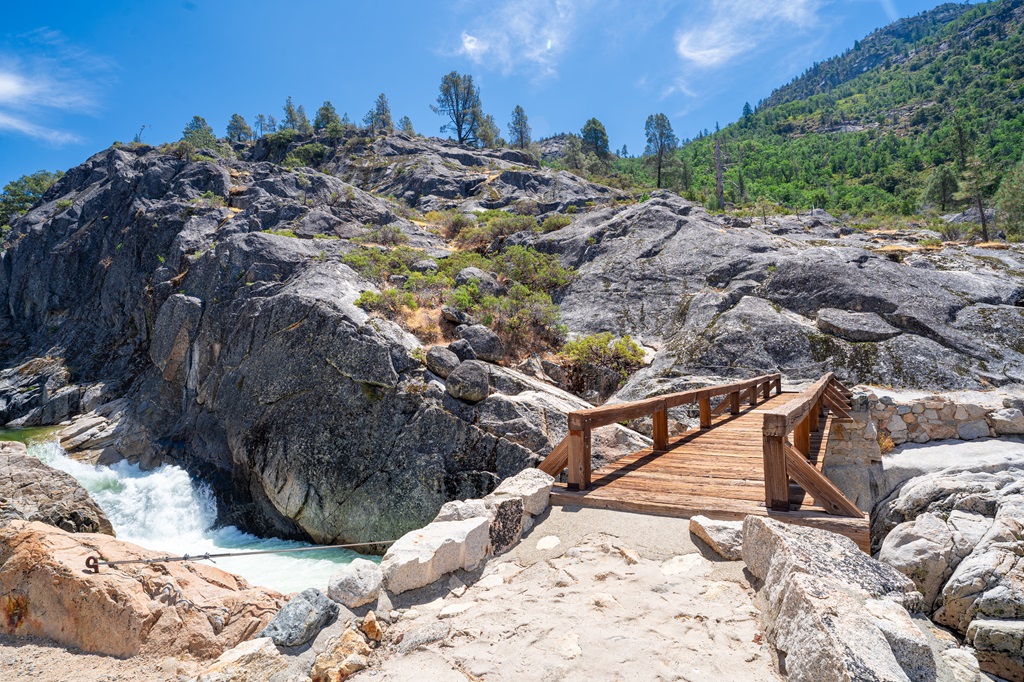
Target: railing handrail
<point x="609" y="414"/>
<point x="779" y="421"/>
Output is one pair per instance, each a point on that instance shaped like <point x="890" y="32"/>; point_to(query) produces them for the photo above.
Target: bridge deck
<point x="717" y="472"/>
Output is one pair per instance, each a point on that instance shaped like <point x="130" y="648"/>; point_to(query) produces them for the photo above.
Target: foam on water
<point x="165" y="510"/>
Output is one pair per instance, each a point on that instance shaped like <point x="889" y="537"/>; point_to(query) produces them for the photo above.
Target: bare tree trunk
<point x="659" y="169"/>
<point x="719" y="188"/>
<point x="981" y="212"/>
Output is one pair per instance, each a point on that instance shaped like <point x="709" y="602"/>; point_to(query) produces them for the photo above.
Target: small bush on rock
<point x="390" y="303"/>
<point x="624" y="355"/>
<point x="555" y="222"/>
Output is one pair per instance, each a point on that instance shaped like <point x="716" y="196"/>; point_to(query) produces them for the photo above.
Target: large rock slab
<point x="356" y="583"/>
<point x="34" y="491"/>
<point x="173" y="609"/>
<point x="533" y="486"/>
<point x="855" y="326"/>
<point x="301" y="619"/>
<point x="999" y="644"/>
<point x="724" y="537"/>
<point x="773" y="550"/>
<point x="423" y="556"/>
<point x="833" y="612"/>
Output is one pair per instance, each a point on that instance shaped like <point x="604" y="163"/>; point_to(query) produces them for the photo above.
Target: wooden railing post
<point x="776" y="477"/>
<point x="766" y="389"/>
<point x="659" y="429"/>
<point x="802" y="433"/>
<point x="778" y="385"/>
<point x="815" y="417"/>
<point x="753" y="395"/>
<point x="705" y="413"/>
<point x="734" y="402"/>
<point x="576" y="467"/>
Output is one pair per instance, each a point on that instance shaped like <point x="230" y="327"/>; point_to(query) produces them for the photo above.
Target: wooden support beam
<point x="705" y="413"/>
<point x="575" y="461"/>
<point x="776" y="478"/>
<point x="802" y="433"/>
<point x="587" y="455"/>
<point x="557" y="459"/>
<point x="720" y="408"/>
<point x="660" y="429"/>
<point x="734" y="402"/>
<point x="836" y="406"/>
<point x="814" y="418"/>
<point x="821" y="489"/>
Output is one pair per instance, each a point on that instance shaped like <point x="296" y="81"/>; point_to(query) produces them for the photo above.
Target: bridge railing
<point x="574" y="452"/>
<point x="784" y="460"/>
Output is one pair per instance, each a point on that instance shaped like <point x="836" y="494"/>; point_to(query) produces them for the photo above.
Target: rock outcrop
<point x="33" y="491"/>
<point x="958" y="535"/>
<point x="834" y="613"/>
<point x="168" y="609"/>
<point x="798" y="295"/>
<point x="210" y="322"/>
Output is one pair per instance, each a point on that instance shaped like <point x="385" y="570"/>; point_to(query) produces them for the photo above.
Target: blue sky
<point x="75" y="76"/>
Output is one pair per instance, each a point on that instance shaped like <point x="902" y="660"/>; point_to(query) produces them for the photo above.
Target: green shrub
<point x="305" y="155"/>
<point x="537" y="271"/>
<point x="389" y="303"/>
<point x="495" y="227"/>
<point x="282" y="233"/>
<point x="555" y="222"/>
<point x="451" y="222"/>
<point x="386" y="235"/>
<point x="377" y="265"/>
<point x="280" y="141"/>
<point x="930" y="242"/>
<point x="572" y="209"/>
<point x="429" y="289"/>
<point x="623" y="355"/>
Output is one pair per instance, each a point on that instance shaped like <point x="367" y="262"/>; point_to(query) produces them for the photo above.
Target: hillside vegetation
<point x="865" y="131"/>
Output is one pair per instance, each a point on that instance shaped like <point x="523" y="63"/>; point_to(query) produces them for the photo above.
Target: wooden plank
<point x="575" y="460"/>
<point x="557" y="459"/>
<point x="776" y="479"/>
<point x="588" y="444"/>
<point x="720" y="408"/>
<point x="659" y="430"/>
<point x="705" y="413"/>
<point x="814" y="418"/>
<point x="609" y="414"/>
<point x="824" y="491"/>
<point x="734" y="402"/>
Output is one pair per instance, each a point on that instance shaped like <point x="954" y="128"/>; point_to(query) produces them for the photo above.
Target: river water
<point x="166" y="510"/>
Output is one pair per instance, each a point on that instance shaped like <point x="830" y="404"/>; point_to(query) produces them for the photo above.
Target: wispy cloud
<point x="737" y="27"/>
<point x="520" y="34"/>
<point x="43" y="75"/>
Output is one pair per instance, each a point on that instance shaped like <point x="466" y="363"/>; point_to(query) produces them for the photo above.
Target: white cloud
<point x="523" y="33"/>
<point x="736" y="27"/>
<point x="41" y="74"/>
<point x="20" y="125"/>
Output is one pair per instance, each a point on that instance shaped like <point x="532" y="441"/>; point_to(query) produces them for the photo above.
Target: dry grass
<point x="885" y="444"/>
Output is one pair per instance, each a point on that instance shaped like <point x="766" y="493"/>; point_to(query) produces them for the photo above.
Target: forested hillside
<point x="928" y="97"/>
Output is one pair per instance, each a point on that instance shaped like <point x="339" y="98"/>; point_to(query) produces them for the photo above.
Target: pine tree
<point x="977" y="180"/>
<point x="238" y="130"/>
<point x="405" y="125"/>
<point x="942" y="186"/>
<point x="291" y="116"/>
<point x="325" y="116"/>
<point x="378" y="119"/>
<point x="198" y="133"/>
<point x="261" y="125"/>
<point x="519" y="129"/>
<point x="1010" y="202"/>
<point x="747" y="110"/>
<point x="301" y="121"/>
<point x="661" y="141"/>
<point x="489" y="134"/>
<point x="459" y="101"/>
<point x="272" y="124"/>
<point x="573" y="152"/>
<point x="595" y="138"/>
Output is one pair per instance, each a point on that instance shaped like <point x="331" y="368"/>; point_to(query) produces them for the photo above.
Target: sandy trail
<point x="619" y="597"/>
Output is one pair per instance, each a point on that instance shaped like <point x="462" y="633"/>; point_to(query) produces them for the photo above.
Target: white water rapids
<point x="166" y="511"/>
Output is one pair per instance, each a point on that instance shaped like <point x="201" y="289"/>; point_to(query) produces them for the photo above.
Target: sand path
<point x="619" y="597"/>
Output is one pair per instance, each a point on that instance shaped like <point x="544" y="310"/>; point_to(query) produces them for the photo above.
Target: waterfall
<point x="165" y="510"/>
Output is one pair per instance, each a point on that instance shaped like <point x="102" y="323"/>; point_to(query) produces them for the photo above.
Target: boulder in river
<point x="173" y="609"/>
<point x="33" y="491"/>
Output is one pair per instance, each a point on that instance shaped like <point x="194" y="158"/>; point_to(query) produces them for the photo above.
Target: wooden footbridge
<point x="759" y="451"/>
